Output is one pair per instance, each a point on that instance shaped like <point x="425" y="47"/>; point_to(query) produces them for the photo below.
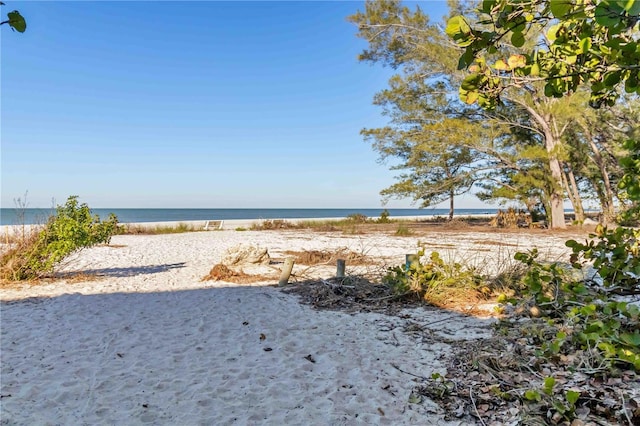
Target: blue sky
<point x="191" y="104"/>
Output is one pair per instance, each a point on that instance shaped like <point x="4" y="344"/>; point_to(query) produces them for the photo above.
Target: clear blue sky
<point x="191" y="104"/>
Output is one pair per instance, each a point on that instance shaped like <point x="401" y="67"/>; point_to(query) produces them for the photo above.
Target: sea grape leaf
<point x="17" y="22"/>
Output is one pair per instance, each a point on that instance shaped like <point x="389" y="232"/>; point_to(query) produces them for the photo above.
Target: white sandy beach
<point x="150" y="343"/>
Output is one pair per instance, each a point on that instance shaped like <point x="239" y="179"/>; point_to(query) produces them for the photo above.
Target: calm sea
<point x="34" y="216"/>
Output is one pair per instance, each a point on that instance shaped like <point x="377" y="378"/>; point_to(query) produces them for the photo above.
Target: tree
<point x="15" y="21"/>
<point x="431" y="142"/>
<point x="404" y="39"/>
<point x="424" y="126"/>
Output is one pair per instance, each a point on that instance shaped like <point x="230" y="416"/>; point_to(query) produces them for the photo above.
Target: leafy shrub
<point x="384" y="217"/>
<point x="271" y="224"/>
<point x="357" y="218"/>
<point x="616" y="257"/>
<point x="585" y="326"/>
<point x="436" y="281"/>
<point x="585" y="316"/>
<point x="403" y="230"/>
<point x="70" y="229"/>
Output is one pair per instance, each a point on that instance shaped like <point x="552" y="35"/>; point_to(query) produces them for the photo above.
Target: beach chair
<point x="211" y="225"/>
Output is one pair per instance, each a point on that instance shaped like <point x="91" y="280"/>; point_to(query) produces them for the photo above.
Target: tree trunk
<point x="606" y="197"/>
<point x="451" y="199"/>
<point x="551" y="142"/>
<point x="574" y="195"/>
<point x="578" y="208"/>
<point x="556" y="197"/>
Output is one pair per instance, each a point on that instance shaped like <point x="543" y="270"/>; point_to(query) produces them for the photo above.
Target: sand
<point x="149" y="343"/>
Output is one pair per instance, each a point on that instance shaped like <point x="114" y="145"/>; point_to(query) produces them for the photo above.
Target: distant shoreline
<point x="32" y="216"/>
<point x="231" y="224"/>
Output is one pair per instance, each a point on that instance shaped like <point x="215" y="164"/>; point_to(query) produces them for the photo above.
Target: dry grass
<point x="139" y="229"/>
<point x="15" y="256"/>
<point x="318" y="257"/>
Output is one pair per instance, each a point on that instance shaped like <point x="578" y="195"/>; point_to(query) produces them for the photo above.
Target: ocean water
<point x="35" y="216"/>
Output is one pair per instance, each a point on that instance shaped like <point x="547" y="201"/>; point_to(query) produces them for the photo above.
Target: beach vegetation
<point x="436" y="281"/>
<point x="140" y="229"/>
<point x="69" y="230"/>
<point x="271" y="224"/>
<point x="384" y="217"/>
<point x="403" y="230"/>
<point x="357" y="218"/>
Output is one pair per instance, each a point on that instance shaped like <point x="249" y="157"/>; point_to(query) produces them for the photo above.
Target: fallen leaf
<point x="267" y="349"/>
<point x="310" y="358"/>
<point x="262" y="336"/>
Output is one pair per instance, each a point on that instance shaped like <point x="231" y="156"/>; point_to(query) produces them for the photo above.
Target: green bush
<point x="587" y="327"/>
<point x="403" y="230"/>
<point x="436" y="281"/>
<point x="384" y="217"/>
<point x="585" y="316"/>
<point x="70" y="229"/>
<point x="615" y="255"/>
<point x="357" y="218"/>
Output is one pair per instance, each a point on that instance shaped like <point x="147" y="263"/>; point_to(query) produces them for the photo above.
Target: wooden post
<point x="410" y="260"/>
<point x="340" y="270"/>
<point x="286" y="271"/>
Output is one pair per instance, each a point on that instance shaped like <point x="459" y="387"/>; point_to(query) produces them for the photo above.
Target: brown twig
<point x="473" y="402"/>
<point x="406" y="372"/>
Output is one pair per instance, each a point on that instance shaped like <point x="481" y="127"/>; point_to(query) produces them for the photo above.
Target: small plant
<point x="270" y="224"/>
<point x="562" y="403"/>
<point x="403" y="230"/>
<point x="384" y="217"/>
<point x="70" y="229"/>
<point x="436" y="281"/>
<point x="357" y="218"/>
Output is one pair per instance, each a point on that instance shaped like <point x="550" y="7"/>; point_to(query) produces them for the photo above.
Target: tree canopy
<point x="564" y="43"/>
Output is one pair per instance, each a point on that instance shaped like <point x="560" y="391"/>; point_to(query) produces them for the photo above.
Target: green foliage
<point x="585" y="316"/>
<point x="384" y="217"/>
<point x="430" y="138"/>
<point x="581" y="326"/>
<point x="561" y="403"/>
<point x="403" y="230"/>
<point x="15" y="21"/>
<point x="435" y="281"/>
<point x="357" y="218"/>
<point x="588" y="43"/>
<point x="615" y="255"/>
<point x="70" y="229"/>
<point x="630" y="183"/>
